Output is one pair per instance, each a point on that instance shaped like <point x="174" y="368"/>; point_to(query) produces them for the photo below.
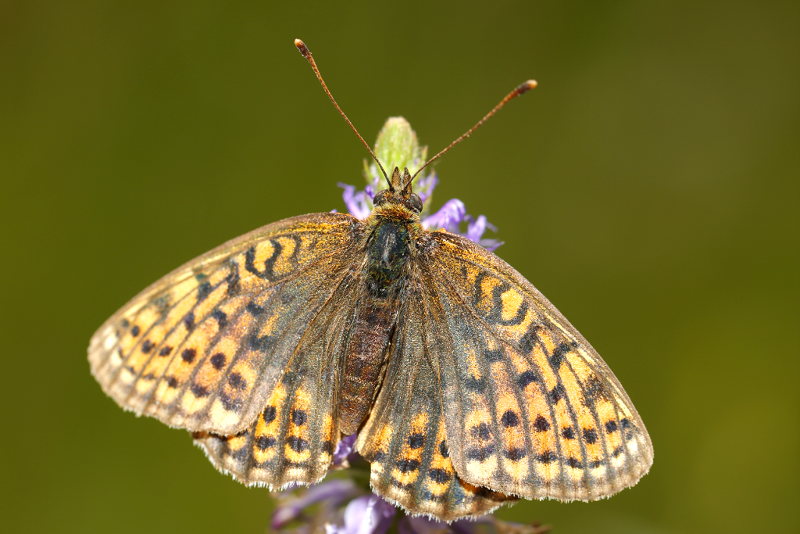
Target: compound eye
<point x="416" y="202"/>
<point x="380" y="197"/>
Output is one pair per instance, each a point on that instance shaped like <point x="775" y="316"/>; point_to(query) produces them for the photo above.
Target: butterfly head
<point x="399" y="199"/>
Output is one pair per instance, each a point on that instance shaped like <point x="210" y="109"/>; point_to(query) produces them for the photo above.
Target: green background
<point x="648" y="187"/>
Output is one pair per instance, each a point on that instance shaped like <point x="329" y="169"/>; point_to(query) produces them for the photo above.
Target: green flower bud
<point x="397" y="145"/>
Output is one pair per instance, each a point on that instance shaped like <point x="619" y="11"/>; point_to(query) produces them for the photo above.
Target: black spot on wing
<point x="299" y="417"/>
<point x="406" y="465"/>
<point x="480" y="453"/>
<point x="541" y="424"/>
<point x="439" y="475"/>
<point x="477" y="385"/>
<point x="297" y="444"/>
<point x="515" y="454"/>
<point x="233" y="279"/>
<point x="527" y="377"/>
<point x="509" y="419"/>
<point x="557" y="393"/>
<point x="236" y="381"/>
<point x="188" y="321"/>
<point x="265" y="442"/>
<point x="481" y="431"/>
<point x="221" y="317"/>
<point x="199" y="391"/>
<point x="203" y="289"/>
<point x="254" y="309"/>
<point x="259" y="343"/>
<point x="529" y="339"/>
<point x="559" y="353"/>
<point x="229" y="403"/>
<point x="188" y="355"/>
<point x="269" y="414"/>
<point x="493" y="356"/>
<point x="415" y="441"/>
<point x="218" y="361"/>
<point x="547" y="457"/>
<point x="594" y="389"/>
<point x="574" y="462"/>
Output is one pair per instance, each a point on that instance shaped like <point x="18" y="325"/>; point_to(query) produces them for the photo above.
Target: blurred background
<point x="649" y="187"/>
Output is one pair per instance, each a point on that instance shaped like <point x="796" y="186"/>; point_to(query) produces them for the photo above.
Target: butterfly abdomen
<point x="387" y="253"/>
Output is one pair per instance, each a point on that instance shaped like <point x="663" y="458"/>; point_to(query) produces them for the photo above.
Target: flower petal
<point x="344" y="449"/>
<point x="358" y="203"/>
<point x="449" y="216"/>
<point x="331" y="494"/>
<point x="365" y="515"/>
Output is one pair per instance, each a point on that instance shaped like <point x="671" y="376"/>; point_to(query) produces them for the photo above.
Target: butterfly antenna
<point x="519" y="90"/>
<point x="301" y="46"/>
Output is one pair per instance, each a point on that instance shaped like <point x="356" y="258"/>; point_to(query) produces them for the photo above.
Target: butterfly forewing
<point x="404" y="438"/>
<point x="203" y="347"/>
<point x="532" y="409"/>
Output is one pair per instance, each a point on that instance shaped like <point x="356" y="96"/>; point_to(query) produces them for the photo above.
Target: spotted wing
<point x="204" y="347"/>
<point x="293" y="438"/>
<point x="532" y="409"/>
<point x="404" y="436"/>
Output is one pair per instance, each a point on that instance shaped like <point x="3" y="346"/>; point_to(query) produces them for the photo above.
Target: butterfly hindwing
<point x="532" y="409"/>
<point x="404" y="438"/>
<point x="293" y="438"/>
<point x="202" y="348"/>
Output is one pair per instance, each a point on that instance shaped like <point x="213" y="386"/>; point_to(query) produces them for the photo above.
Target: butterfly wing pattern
<point x="533" y="410"/>
<point x="218" y="347"/>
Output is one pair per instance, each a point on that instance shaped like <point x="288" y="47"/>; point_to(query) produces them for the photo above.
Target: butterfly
<point x="466" y="387"/>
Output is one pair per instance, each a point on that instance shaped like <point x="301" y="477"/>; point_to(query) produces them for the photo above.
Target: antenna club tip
<point x="301" y="46"/>
<point x="527" y="86"/>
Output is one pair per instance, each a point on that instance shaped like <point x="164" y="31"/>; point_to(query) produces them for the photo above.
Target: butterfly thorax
<point x="388" y="248"/>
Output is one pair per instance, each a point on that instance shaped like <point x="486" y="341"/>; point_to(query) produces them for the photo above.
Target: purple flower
<point x="475" y="230"/>
<point x="296" y="505"/>
<point x="368" y="514"/>
<point x="359" y="203"/>
<point x="449" y="216"/>
<point x="345" y="452"/>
